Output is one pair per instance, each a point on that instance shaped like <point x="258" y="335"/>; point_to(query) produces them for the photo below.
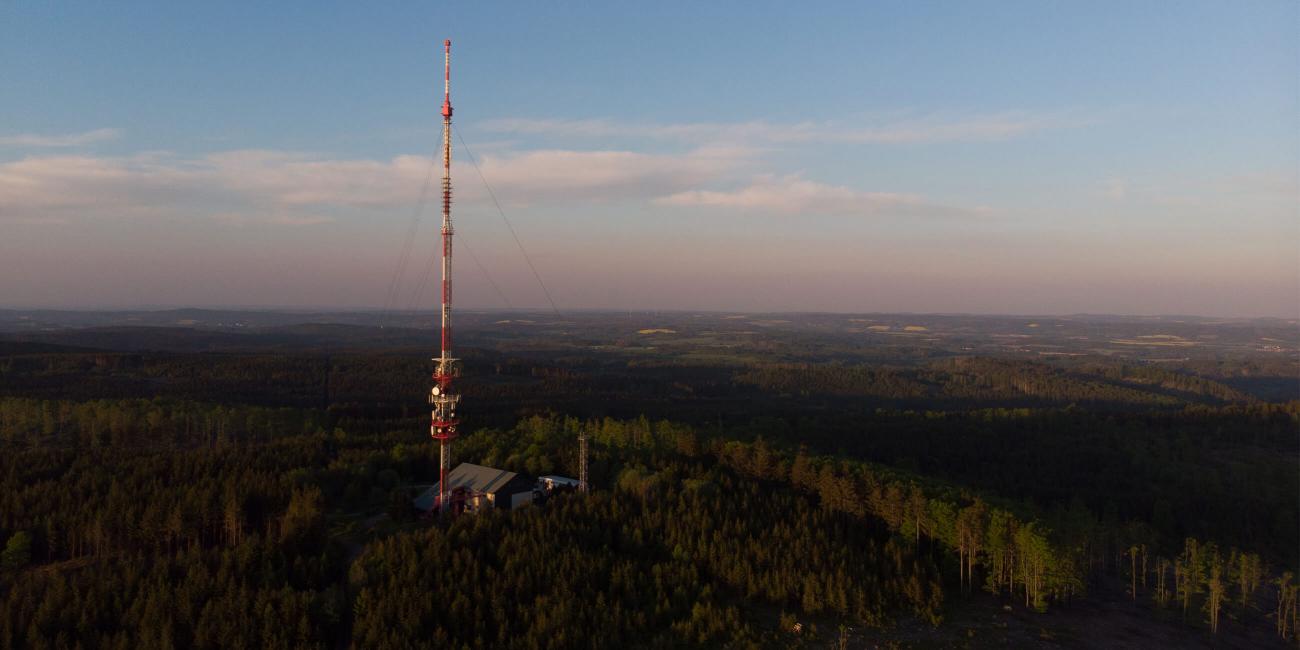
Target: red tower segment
<point x="442" y="396"/>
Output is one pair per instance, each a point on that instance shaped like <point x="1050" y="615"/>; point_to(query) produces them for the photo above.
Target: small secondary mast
<point x="442" y="396"/>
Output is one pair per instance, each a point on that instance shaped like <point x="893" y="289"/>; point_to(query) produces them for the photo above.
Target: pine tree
<point x="18" y="551"/>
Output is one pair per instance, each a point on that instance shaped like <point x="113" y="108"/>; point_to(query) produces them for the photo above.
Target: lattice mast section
<point x="443" y="397"/>
<point x="582" y="461"/>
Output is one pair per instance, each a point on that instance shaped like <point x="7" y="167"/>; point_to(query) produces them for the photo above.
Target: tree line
<point x="1042" y="557"/>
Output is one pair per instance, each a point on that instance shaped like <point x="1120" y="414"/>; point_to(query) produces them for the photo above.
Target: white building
<point x="549" y="483"/>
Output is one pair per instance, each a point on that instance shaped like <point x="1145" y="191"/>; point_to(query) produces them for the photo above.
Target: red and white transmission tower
<point x="442" y="396"/>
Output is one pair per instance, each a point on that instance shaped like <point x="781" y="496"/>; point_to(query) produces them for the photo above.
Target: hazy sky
<point x="1004" y="157"/>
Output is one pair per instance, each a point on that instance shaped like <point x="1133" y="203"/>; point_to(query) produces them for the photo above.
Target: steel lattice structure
<point x="442" y="396"/>
<point x="582" y="461"/>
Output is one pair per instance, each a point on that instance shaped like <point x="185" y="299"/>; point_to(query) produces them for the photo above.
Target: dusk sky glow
<point x="1010" y="157"/>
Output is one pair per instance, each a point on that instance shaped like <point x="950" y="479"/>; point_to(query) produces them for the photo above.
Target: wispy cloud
<point x="35" y="140"/>
<point x="292" y="187"/>
<point x="603" y="175"/>
<point x="1259" y="193"/>
<point x="793" y="194"/>
<point x="245" y="187"/>
<point x="897" y="129"/>
<point x="64" y="188"/>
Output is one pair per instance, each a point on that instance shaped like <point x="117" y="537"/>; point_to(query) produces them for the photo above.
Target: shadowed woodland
<point x="153" y="496"/>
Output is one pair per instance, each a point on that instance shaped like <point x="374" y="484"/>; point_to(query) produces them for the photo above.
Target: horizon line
<point x="323" y="309"/>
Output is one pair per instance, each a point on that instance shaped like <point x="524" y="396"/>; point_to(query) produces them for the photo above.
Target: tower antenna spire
<point x="446" y="85"/>
<point x="442" y="396"/>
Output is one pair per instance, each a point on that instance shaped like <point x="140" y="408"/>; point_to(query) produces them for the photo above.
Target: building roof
<point x="477" y="478"/>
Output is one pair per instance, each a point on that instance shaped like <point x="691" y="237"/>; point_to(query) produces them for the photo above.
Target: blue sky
<point x="941" y="157"/>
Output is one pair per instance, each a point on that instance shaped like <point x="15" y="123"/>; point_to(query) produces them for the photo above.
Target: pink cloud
<point x="36" y="140"/>
<point x="792" y="194"/>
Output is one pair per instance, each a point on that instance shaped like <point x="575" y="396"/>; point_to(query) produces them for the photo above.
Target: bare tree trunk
<point x="1132" y="558"/>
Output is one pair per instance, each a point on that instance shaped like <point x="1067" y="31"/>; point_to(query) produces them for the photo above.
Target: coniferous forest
<point x="801" y="481"/>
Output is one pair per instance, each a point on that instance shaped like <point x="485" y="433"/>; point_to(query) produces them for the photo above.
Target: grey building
<point x="472" y="487"/>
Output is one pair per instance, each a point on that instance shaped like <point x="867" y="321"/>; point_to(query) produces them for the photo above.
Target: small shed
<point x="478" y="487"/>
